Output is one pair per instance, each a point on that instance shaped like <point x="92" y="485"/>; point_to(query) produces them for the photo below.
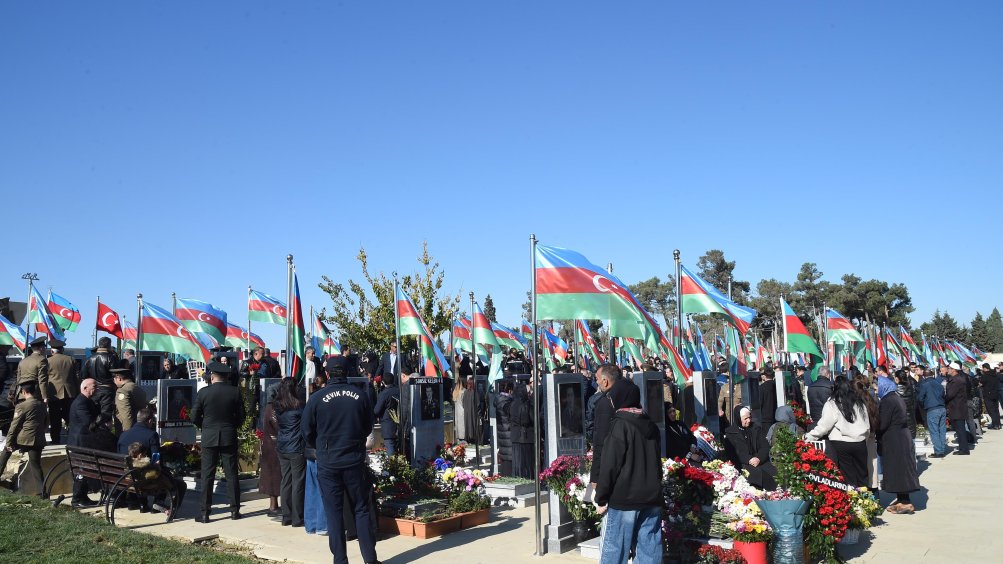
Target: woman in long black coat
<point x="747" y="448"/>
<point x="895" y="445"/>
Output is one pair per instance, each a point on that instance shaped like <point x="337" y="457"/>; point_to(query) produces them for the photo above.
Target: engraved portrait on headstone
<point x="430" y="408"/>
<point x="179" y="403"/>
<point x="570" y="397"/>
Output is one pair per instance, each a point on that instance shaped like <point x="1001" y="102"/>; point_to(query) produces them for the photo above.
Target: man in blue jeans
<point x="930" y="394"/>
<point x="629" y="484"/>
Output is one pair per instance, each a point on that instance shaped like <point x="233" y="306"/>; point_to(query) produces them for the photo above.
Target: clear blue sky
<point x="189" y="146"/>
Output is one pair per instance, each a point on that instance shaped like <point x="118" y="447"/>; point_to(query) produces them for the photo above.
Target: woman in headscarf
<point x="845" y="423"/>
<point x="679" y="440"/>
<point x="747" y="448"/>
<point x="895" y="445"/>
<point x="784" y="417"/>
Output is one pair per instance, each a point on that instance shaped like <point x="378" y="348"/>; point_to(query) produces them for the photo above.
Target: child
<point x="151" y="477"/>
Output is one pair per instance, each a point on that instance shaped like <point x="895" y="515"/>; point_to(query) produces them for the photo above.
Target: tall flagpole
<point x="289" y="304"/>
<point x="611" y="357"/>
<point x="174" y="312"/>
<point x="536" y="403"/>
<point x="401" y="428"/>
<point x="95" y="334"/>
<point x="30" y="277"/>
<point x="313" y="335"/>
<point x="139" y="333"/>
<point x="247" y="353"/>
<point x="679" y="299"/>
<point x="473" y="348"/>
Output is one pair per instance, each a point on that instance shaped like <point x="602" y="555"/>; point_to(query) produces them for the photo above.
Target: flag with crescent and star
<point x="266" y="309"/>
<point x="701" y="297"/>
<point x="202" y="317"/>
<point x="109" y="321"/>
<point x="66" y="314"/>
<point x="568" y="286"/>
<point x="323" y="340"/>
<point x="39" y="314"/>
<point x="237" y="336"/>
<point x="161" y="331"/>
<point x="13" y="335"/>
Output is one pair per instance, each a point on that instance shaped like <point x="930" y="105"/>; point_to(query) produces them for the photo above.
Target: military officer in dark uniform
<point x="129" y="399"/>
<point x="35" y="368"/>
<point x="62" y="389"/>
<point x="336" y="422"/>
<point x="27" y="430"/>
<point x="98" y="367"/>
<point x="219" y="412"/>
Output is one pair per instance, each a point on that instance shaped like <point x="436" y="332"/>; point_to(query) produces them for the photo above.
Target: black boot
<point x="202" y="517"/>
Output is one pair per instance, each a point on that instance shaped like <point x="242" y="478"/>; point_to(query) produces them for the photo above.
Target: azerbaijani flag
<point x="700" y="297"/>
<point x="164" y="332"/>
<point x="129" y="334"/>
<point x="588" y="343"/>
<point x="483" y="334"/>
<point x="237" y="337"/>
<point x="508" y="337"/>
<point x="928" y="352"/>
<point x="526" y="330"/>
<point x="202" y="317"/>
<point x="568" y="286"/>
<point x="39" y="314"/>
<point x="555" y="345"/>
<point x="410" y="323"/>
<point x="705" y="361"/>
<point x="796" y="337"/>
<point x="839" y="329"/>
<point x="909" y="343"/>
<point x="901" y="356"/>
<point x="633" y="350"/>
<point x="461" y="334"/>
<point x="265" y="308"/>
<point x="298" y="336"/>
<point x="13" y="335"/>
<point x="66" y="314"/>
<point x="324" y="342"/>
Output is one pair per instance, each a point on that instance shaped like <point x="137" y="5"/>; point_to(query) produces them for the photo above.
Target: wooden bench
<point x="116" y="475"/>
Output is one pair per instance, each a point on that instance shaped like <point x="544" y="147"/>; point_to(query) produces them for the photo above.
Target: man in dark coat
<point x="392" y="363"/>
<point x="895" y="445"/>
<point x="521" y="423"/>
<point x="991" y="395"/>
<point x="767" y="401"/>
<point x="503" y="415"/>
<point x="607" y="376"/>
<point x="143" y="432"/>
<point x="819" y="392"/>
<point x="62" y="388"/>
<point x="387" y="411"/>
<point x="957" y="405"/>
<point x="83" y="418"/>
<point x="98" y="367"/>
<point x="219" y="412"/>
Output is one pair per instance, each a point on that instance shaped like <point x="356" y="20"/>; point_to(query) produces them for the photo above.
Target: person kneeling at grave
<point x="747" y="448"/>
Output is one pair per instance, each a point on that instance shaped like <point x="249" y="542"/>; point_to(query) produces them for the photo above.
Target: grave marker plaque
<point x="427" y="428"/>
<point x="175" y="401"/>
<point x="564" y="398"/>
<point x="652" y="400"/>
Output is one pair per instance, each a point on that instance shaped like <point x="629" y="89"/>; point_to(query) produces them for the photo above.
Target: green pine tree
<point x="994" y="332"/>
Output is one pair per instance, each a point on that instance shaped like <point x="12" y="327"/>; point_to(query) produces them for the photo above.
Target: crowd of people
<point x="315" y="439"/>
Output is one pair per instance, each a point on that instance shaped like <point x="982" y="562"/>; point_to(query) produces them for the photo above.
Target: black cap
<point x="219" y="368"/>
<point x="337" y="362"/>
<point x="123" y="371"/>
<point x="221" y="348"/>
<point x="37" y="341"/>
<point x="57" y="344"/>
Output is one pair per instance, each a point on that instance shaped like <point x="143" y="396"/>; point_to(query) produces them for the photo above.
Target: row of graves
<point x="711" y="512"/>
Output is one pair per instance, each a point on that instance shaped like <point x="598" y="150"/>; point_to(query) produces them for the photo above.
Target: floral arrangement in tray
<point x="567" y="477"/>
<point x="830" y="512"/>
<point x="706" y="441"/>
<point x="180" y="458"/>
<point x="710" y="554"/>
<point x="750" y="529"/>
<point x="865" y="508"/>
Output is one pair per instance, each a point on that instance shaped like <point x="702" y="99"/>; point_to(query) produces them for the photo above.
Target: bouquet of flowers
<point x="710" y="554"/>
<point x="801" y="416"/>
<point x="865" y="508"/>
<point x="566" y="477"/>
<point x="706" y="441"/>
<point x="454" y="454"/>
<point x="750" y="529"/>
<point x="461" y="479"/>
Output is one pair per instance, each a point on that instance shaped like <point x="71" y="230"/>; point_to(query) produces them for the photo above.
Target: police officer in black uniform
<point x="219" y="412"/>
<point x="336" y="422"/>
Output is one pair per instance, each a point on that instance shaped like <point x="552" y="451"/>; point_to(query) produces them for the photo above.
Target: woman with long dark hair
<point x="288" y="408"/>
<point x="845" y="422"/>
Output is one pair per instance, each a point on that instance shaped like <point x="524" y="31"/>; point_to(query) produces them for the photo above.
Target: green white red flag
<point x="410" y="323"/>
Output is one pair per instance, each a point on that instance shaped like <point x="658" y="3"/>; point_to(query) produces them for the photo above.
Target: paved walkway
<point x="956" y="521"/>
<point x="957" y="513"/>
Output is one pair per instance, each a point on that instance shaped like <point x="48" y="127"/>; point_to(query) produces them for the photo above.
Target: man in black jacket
<point x="607" y="376"/>
<point x="98" y="367"/>
<point x="219" y="412"/>
<point x="629" y="488"/>
<point x="956" y="397"/>
<point x="503" y="419"/>
<point x="991" y="395"/>
<point x="819" y="392"/>
<point x="83" y="418"/>
<point x="768" y="401"/>
<point x="336" y="422"/>
<point x="387" y="411"/>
